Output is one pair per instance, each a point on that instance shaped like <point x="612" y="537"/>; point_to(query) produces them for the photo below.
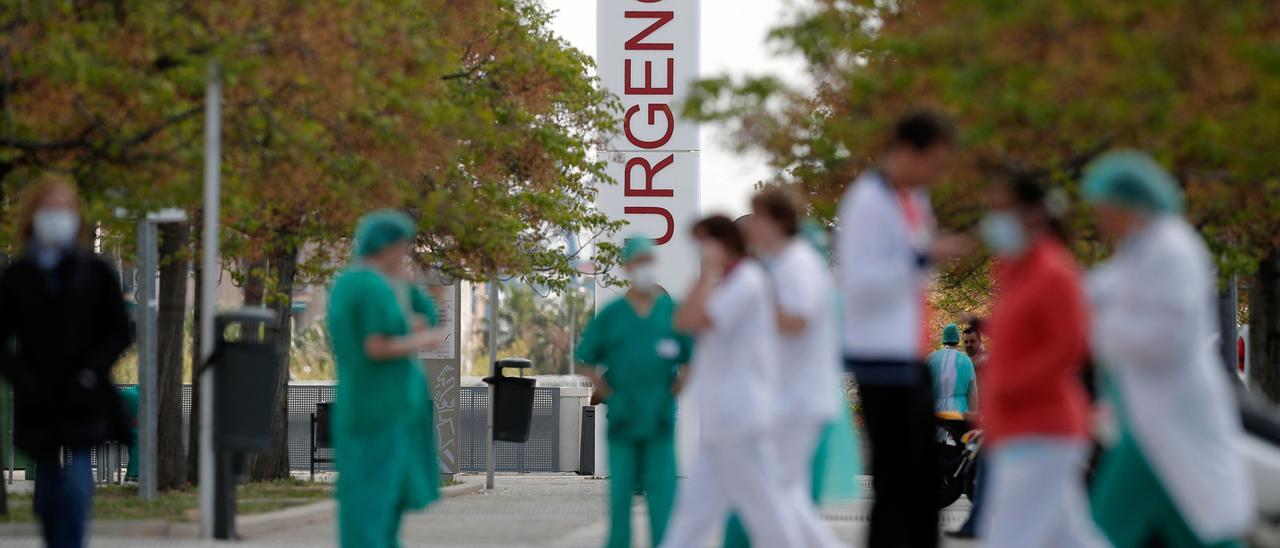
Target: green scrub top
<point x="372" y="393"/>
<point x="640" y="357"/>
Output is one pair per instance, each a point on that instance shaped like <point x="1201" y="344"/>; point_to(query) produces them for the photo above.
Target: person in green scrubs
<point x="384" y="447"/>
<point x="129" y="396"/>
<point x="633" y="356"/>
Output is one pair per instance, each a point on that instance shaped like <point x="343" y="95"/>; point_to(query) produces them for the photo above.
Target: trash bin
<point x="512" y="401"/>
<point x="246" y="380"/>
<point x="587" y="442"/>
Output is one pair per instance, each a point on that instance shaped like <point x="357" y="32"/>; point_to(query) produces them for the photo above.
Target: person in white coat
<point x="1176" y="476"/>
<point x="731" y="381"/>
<point x="885" y="247"/>
<point x="809" y="352"/>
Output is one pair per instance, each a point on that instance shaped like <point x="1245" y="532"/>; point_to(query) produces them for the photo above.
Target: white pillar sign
<point x="647" y="54"/>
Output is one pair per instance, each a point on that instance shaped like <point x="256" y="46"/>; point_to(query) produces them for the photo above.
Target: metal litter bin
<point x="248" y="372"/>
<point x="512" y="401"/>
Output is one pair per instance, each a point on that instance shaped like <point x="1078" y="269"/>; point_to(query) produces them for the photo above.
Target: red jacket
<point x="1031" y="382"/>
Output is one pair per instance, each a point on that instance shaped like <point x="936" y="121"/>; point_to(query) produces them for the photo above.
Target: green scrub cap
<point x="379" y="229"/>
<point x="951" y="334"/>
<point x="636" y="248"/>
<point x="1131" y="179"/>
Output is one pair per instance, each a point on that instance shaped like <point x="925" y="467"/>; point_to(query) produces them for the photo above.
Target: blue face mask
<point x="1003" y="234"/>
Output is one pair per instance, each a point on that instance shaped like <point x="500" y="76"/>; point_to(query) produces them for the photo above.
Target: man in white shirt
<point x="885" y="247"/>
<point x="731" y="380"/>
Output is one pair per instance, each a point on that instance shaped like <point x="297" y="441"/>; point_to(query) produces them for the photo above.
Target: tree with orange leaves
<point x="1040" y="86"/>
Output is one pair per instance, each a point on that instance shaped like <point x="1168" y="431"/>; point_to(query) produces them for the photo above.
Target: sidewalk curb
<point x="318" y="512"/>
<point x="247" y="526"/>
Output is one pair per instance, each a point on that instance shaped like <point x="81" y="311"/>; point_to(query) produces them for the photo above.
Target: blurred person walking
<point x="633" y="355"/>
<point x="1176" y="476"/>
<point x="732" y="381"/>
<point x="384" y="447"/>
<point x="63" y="325"/>
<point x="1034" y="408"/>
<point x="955" y="385"/>
<point x="807" y="390"/>
<point x="885" y="248"/>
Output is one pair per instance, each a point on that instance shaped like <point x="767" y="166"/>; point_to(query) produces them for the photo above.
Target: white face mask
<point x="643" y="277"/>
<point x="55" y="227"/>
<point x="1002" y="232"/>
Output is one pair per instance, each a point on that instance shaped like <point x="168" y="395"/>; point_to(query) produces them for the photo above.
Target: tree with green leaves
<point x="1040" y="86"/>
<point x="471" y="115"/>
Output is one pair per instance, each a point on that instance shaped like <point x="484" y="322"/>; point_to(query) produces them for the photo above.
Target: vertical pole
<point x="573" y="325"/>
<point x="10" y="425"/>
<point x="146" y="294"/>
<point x="1228" y="308"/>
<point x="208" y="278"/>
<point x="491" y="312"/>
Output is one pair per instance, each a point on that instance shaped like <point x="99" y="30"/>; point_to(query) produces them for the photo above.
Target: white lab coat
<point x="881" y="274"/>
<point x="1154" y="318"/>
<point x="734" y="362"/>
<point x="732" y="382"/>
<point x="809" y="360"/>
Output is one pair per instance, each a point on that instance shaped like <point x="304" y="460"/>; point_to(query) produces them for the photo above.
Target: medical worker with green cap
<point x="1176" y="476"/>
<point x="633" y="355"/>
<point x="383" y="440"/>
<point x="955" y="386"/>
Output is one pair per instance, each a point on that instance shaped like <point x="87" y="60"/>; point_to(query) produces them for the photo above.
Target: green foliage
<point x="471" y="115"/>
<point x="1038" y="86"/>
<point x="540" y="327"/>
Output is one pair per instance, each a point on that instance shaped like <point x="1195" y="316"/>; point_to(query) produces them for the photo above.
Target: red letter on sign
<point x="649" y="172"/>
<point x="647" y="88"/>
<point x="653" y="109"/>
<point x="662" y="212"/>
<point x="663" y="17"/>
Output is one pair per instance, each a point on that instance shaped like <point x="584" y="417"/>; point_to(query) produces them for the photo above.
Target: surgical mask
<point x="1003" y="233"/>
<point x="55" y="227"/>
<point x="643" y="277"/>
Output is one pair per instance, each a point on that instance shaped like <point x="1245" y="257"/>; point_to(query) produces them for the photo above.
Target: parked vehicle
<point x="958" y="446"/>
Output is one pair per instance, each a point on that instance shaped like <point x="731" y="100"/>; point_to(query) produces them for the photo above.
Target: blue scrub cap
<point x="1131" y="179"/>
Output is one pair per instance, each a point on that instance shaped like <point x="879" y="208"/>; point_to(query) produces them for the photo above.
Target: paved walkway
<point x="524" y="510"/>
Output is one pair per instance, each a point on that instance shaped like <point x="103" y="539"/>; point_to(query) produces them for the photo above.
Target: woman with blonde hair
<point x="63" y="307"/>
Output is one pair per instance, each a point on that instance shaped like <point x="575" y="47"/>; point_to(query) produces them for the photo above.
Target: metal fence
<point x="540" y="454"/>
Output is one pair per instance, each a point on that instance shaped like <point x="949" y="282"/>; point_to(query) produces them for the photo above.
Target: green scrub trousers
<point x="1133" y="509"/>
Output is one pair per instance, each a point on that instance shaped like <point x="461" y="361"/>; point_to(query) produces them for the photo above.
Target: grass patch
<point x="122" y="502"/>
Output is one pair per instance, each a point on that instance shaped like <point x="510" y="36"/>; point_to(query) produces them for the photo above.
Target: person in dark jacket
<point x="62" y="326"/>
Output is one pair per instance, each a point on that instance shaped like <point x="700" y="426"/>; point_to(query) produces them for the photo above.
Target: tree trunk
<point x="193" y="424"/>
<point x="1264" y="328"/>
<point x="274" y="462"/>
<point x="171" y="462"/>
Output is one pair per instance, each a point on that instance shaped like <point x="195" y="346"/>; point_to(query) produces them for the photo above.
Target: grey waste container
<point x="246" y="381"/>
<point x="512" y="401"/>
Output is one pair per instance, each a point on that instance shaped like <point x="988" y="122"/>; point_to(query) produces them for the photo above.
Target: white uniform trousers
<point x="795" y="444"/>
<point x="738" y="475"/>
<point x="1037" y="495"/>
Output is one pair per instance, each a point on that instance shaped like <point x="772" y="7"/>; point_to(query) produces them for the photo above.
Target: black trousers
<point x="904" y="463"/>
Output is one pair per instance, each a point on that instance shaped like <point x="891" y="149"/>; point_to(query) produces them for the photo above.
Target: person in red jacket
<point x="1034" y="408"/>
